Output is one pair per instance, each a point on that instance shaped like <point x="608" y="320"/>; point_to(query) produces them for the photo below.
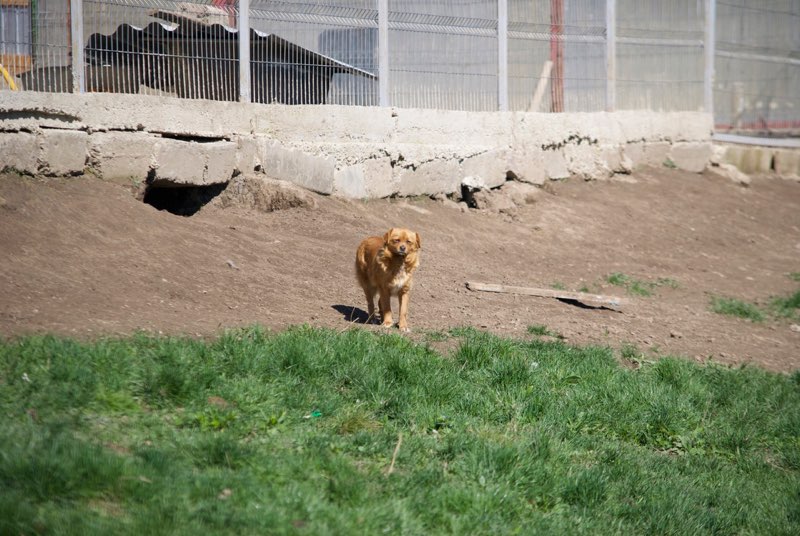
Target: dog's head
<point x="401" y="242"/>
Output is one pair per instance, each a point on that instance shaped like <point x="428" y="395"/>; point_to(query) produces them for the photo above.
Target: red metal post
<point x="557" y="55"/>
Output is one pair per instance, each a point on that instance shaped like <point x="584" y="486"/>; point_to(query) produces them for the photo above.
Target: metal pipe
<point x="611" y="55"/>
<point x="709" y="48"/>
<point x="502" y="55"/>
<point x="76" y="42"/>
<point x="383" y="53"/>
<point x="244" y="51"/>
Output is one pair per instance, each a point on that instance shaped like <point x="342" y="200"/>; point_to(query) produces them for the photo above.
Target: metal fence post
<point x="244" y="50"/>
<point x="76" y="32"/>
<point x="611" y="55"/>
<point x="502" y="55"/>
<point x="709" y="49"/>
<point x="383" y="53"/>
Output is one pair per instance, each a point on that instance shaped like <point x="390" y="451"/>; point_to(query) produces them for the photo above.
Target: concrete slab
<point x="122" y="157"/>
<point x="64" y="152"/>
<point x="312" y="172"/>
<point x="787" y="162"/>
<point x="19" y="151"/>
<point x="177" y="162"/>
<point x="220" y="161"/>
<point x="691" y="156"/>
<point x="437" y="176"/>
<point x="491" y="167"/>
<point x="555" y="164"/>
<point x="749" y="159"/>
<point x="526" y="163"/>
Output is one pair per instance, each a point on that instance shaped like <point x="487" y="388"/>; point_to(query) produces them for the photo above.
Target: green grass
<point x="780" y="307"/>
<point x="294" y="433"/>
<point x="738" y="308"/>
<point x="786" y="307"/>
<point x="638" y="287"/>
<point x="540" y="330"/>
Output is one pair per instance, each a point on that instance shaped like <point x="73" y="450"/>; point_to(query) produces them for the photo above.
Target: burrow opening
<point x="181" y="200"/>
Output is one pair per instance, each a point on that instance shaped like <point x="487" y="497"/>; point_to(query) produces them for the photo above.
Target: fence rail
<point x="739" y="58"/>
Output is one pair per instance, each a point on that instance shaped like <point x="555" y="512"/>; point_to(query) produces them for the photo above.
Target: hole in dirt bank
<point x="181" y="200"/>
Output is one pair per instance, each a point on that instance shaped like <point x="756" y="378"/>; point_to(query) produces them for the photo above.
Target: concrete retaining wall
<point x="752" y="159"/>
<point x="349" y="151"/>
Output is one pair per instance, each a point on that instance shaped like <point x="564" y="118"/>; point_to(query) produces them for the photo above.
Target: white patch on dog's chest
<point x="399" y="281"/>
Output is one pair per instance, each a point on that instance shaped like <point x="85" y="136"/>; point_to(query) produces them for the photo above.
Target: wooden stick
<point x="612" y="302"/>
<point x="536" y="101"/>
<point x="394" y="456"/>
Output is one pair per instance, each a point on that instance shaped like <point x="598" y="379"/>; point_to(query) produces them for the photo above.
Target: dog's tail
<point x="361" y="262"/>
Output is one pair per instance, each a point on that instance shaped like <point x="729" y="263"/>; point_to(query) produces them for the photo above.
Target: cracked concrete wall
<point x="354" y="152"/>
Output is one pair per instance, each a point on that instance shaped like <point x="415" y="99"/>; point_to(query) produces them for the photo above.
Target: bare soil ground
<point x="85" y="258"/>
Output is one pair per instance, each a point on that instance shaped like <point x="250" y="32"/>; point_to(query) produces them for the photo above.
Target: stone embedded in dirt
<point x="264" y="194"/>
<point x="521" y="193"/>
<point x="493" y="201"/>
<point x="447" y="202"/>
<point x="795" y="327"/>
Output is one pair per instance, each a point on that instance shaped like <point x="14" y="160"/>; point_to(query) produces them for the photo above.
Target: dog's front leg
<point x="402" y="297"/>
<point x="385" y="304"/>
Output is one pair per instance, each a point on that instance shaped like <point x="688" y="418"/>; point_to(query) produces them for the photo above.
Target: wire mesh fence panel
<point x="757" y="64"/>
<point x="184" y="49"/>
<point x="314" y="53"/>
<point x="35" y="44"/>
<point x="670" y="79"/>
<point x="443" y="54"/>
<point x="529" y="56"/>
<point x="660" y="55"/>
<point x="16" y="42"/>
<point x="557" y="55"/>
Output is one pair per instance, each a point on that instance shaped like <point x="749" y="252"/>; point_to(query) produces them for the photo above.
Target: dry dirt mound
<point x="85" y="258"/>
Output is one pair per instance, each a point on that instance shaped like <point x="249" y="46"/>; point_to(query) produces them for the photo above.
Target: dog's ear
<point x="419" y="241"/>
<point x="388" y="235"/>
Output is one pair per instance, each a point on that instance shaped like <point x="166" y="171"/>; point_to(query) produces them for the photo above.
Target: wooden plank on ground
<point x="592" y="300"/>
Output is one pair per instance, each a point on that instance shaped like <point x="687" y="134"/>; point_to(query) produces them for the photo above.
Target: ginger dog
<point x="385" y="265"/>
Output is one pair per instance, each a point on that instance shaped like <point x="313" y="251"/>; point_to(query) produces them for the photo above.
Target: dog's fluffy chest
<point x="399" y="280"/>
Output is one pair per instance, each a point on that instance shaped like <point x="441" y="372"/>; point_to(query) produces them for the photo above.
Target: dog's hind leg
<point x="386" y="308"/>
<point x="369" y="293"/>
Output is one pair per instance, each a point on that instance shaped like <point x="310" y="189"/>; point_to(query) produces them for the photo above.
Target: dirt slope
<point x="85" y="258"/>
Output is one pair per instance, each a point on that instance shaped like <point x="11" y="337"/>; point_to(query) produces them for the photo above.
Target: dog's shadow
<point x="353" y="314"/>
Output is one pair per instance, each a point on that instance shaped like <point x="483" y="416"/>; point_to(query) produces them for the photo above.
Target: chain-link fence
<point x="477" y="55"/>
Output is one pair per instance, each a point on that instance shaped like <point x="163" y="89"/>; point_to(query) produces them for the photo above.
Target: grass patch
<point x="259" y="433"/>
<point x="540" y="330"/>
<point x="794" y="276"/>
<point x="786" y="307"/>
<point x="638" y="287"/>
<point x="737" y="308"/>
